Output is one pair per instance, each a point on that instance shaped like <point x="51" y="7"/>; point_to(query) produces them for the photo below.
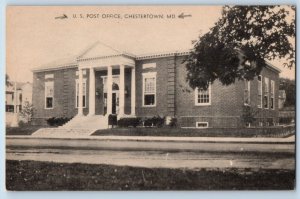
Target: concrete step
<point x="80" y="126"/>
<point x="93" y="122"/>
<point x="60" y="132"/>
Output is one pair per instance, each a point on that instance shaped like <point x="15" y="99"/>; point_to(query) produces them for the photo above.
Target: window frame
<point x="248" y="94"/>
<point x="49" y="83"/>
<point x="76" y="90"/>
<point x="261" y="89"/>
<point x="149" y="75"/>
<point x="272" y="94"/>
<point x="196" y="97"/>
<point x="267" y="92"/>
<point x="207" y="125"/>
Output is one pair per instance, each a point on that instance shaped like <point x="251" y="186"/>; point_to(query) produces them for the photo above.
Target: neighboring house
<point x="23" y="95"/>
<point x="281" y="99"/>
<point x="103" y="81"/>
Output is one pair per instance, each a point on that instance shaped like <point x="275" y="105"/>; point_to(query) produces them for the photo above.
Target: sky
<point x="35" y="38"/>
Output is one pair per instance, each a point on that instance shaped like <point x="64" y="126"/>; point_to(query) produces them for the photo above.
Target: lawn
<point x="208" y="132"/>
<point x="31" y="175"/>
<point x="22" y="130"/>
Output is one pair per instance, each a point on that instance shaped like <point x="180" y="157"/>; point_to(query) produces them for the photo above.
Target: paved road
<point x="189" y="155"/>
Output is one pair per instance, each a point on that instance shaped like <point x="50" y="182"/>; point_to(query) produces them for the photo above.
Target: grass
<point x="208" y="132"/>
<point x="174" y="132"/>
<point x="22" y="130"/>
<point x="31" y="175"/>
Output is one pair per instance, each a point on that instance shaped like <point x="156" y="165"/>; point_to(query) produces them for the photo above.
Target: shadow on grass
<point x="31" y="175"/>
<point x="22" y="130"/>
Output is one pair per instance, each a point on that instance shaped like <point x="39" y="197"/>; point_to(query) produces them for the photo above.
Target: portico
<point x="114" y="90"/>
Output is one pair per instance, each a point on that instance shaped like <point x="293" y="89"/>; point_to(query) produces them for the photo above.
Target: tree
<point x="7" y="81"/>
<point x="27" y="111"/>
<point x="237" y="46"/>
<point x="248" y="116"/>
<point x="290" y="89"/>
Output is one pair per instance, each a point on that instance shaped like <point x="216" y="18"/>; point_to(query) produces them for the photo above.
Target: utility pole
<point x="15" y="121"/>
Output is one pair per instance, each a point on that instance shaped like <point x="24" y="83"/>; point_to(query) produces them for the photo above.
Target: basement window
<point x="202" y="125"/>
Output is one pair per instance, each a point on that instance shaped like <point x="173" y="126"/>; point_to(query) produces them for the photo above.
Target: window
<point x="149" y="89"/>
<point x="201" y="124"/>
<point x="246" y="92"/>
<point x="266" y="95"/>
<point x="83" y="93"/>
<point x="49" y="95"/>
<point x="272" y="100"/>
<point x="202" y="97"/>
<point x="259" y="88"/>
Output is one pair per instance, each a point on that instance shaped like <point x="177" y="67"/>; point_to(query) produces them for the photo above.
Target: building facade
<point x="103" y="81"/>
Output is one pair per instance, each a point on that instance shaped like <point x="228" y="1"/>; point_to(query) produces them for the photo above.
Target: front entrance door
<point x="115" y="102"/>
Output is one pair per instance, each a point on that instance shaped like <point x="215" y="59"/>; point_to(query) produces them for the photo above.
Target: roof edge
<point x="272" y="67"/>
<point x="54" y="68"/>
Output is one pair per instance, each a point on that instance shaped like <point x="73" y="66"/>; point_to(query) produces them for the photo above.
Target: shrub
<point x="156" y="121"/>
<point x="57" y="121"/>
<point x="27" y="112"/>
<point x="127" y="122"/>
<point x="21" y="123"/>
<point x="285" y="120"/>
<point x="112" y="120"/>
<point x="173" y="122"/>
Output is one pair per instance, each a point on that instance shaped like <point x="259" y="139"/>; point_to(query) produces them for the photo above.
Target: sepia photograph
<point x="156" y="98"/>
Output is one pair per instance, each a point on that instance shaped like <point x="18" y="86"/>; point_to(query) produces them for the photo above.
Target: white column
<point x="80" y="91"/>
<point x="133" y="91"/>
<point x="92" y="92"/>
<point x="109" y="90"/>
<point x="122" y="90"/>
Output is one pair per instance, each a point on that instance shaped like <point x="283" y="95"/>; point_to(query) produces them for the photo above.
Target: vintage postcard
<point x="150" y="97"/>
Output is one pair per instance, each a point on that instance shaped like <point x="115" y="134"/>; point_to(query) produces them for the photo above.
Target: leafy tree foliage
<point x="27" y="111"/>
<point x="248" y="116"/>
<point x="7" y="81"/>
<point x="237" y="46"/>
<point x="290" y="89"/>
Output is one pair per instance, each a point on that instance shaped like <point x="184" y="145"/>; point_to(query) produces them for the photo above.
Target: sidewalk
<point x="268" y="140"/>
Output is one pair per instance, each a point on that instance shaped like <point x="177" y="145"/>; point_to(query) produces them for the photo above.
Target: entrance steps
<point x="79" y="126"/>
<point x="62" y="133"/>
<point x="90" y="122"/>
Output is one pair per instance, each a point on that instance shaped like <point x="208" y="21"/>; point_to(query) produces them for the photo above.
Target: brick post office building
<point x="103" y="81"/>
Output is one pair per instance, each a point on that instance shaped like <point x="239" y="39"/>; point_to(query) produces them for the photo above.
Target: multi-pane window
<point x="259" y="93"/>
<point x="149" y="89"/>
<point x="246" y="92"/>
<point x="266" y="93"/>
<point x="272" y="99"/>
<point x="83" y="93"/>
<point x="203" y="97"/>
<point x="49" y="95"/>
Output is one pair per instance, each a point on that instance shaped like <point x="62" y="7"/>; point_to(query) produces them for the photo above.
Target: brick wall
<point x="64" y="94"/>
<point x="226" y="101"/>
<point x="161" y="108"/>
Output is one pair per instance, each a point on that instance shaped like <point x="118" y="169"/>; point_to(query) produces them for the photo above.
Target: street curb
<point x="167" y="139"/>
